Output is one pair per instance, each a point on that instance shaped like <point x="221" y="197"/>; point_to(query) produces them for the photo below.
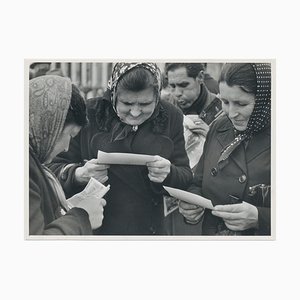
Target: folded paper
<point x="93" y="188"/>
<point x="189" y="197"/>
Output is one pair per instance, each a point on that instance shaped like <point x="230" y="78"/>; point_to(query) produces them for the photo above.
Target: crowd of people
<point x="210" y="137"/>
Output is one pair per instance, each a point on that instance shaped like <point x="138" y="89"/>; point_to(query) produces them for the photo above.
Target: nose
<point x="232" y="112"/>
<point x="178" y="91"/>
<point x="135" y="111"/>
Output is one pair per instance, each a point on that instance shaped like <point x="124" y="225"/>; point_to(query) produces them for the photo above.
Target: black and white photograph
<point x="147" y="149"/>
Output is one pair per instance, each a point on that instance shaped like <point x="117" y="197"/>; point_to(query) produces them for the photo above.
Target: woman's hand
<point x="93" y="205"/>
<point x="192" y="213"/>
<point x="237" y="217"/>
<point x="91" y="169"/>
<point x="159" y="169"/>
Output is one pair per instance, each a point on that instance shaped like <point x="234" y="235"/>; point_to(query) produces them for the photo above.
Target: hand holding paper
<point x="91" y="169"/>
<point x="159" y="169"/>
<point x="90" y="199"/>
<point x="93" y="189"/>
<point x="191" y="206"/>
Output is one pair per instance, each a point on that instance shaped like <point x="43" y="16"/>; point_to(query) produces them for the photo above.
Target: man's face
<point x="185" y="89"/>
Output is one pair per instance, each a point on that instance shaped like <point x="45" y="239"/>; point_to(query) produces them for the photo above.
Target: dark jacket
<point x="211" y="84"/>
<point x="134" y="203"/>
<point x="45" y="216"/>
<point x="246" y="167"/>
<point x="202" y="102"/>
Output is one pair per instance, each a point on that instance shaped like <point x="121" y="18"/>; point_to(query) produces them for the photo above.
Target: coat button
<point x="242" y="178"/>
<point x="214" y="171"/>
<point x="63" y="176"/>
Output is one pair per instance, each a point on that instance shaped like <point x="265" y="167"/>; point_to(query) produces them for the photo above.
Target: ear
<point x="200" y="77"/>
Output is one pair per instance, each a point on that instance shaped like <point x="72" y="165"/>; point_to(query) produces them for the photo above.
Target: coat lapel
<point x="224" y="137"/>
<point x="258" y="144"/>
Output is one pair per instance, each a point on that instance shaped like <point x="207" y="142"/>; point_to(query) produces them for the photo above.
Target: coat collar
<point x="258" y="144"/>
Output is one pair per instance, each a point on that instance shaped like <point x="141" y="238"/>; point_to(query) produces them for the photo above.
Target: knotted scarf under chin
<point x="261" y="114"/>
<point x="121" y="130"/>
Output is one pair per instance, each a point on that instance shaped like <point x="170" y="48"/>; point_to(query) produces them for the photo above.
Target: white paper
<point x="93" y="188"/>
<point x="189" y="197"/>
<point x="124" y="158"/>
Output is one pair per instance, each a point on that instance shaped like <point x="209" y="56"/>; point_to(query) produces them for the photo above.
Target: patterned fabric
<point x="49" y="101"/>
<point x="261" y="114"/>
<point x="122" y="130"/>
<point x="120" y="69"/>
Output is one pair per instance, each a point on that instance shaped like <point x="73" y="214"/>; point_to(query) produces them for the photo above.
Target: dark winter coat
<point x="134" y="203"/>
<point x="45" y="216"/>
<point x="248" y="166"/>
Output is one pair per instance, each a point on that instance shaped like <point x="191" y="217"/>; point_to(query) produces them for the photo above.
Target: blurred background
<point x="92" y="78"/>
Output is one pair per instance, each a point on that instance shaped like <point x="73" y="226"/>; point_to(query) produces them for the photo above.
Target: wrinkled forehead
<point x="144" y="96"/>
<point x="179" y="75"/>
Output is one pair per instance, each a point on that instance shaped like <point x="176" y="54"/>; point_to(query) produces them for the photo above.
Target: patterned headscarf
<point x="120" y="69"/>
<point x="261" y="114"/>
<point x="49" y="101"/>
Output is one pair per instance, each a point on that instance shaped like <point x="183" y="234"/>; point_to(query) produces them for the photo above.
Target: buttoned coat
<point x="249" y="165"/>
<point x="134" y="203"/>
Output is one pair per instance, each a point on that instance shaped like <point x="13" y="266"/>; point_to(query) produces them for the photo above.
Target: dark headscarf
<point x="121" y="130"/>
<point x="49" y="101"/>
<point x="121" y="69"/>
<point x="261" y="114"/>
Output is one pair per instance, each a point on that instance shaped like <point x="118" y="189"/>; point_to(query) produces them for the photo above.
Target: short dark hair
<point x="192" y="69"/>
<point x="138" y="79"/>
<point x="77" y="109"/>
<point x="240" y="74"/>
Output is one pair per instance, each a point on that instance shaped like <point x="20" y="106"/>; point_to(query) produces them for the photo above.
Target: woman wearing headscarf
<point x="56" y="114"/>
<point x="130" y="118"/>
<point x="235" y="168"/>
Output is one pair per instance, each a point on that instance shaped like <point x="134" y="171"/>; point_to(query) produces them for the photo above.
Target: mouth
<point x="238" y="122"/>
<point x="181" y="103"/>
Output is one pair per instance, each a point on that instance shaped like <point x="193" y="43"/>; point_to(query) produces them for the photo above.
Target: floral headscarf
<point x="261" y="114"/>
<point x="121" y="130"/>
<point x="49" y="101"/>
<point x="120" y="69"/>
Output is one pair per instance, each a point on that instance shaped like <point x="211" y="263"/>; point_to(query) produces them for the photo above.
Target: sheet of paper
<point x="124" y="158"/>
<point x="189" y="197"/>
<point x="93" y="188"/>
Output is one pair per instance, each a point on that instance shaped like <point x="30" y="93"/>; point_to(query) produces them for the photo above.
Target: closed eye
<point x="183" y="84"/>
<point x="224" y="101"/>
<point x="145" y="104"/>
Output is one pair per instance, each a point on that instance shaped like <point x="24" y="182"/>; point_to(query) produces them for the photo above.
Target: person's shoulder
<point x="35" y="167"/>
<point x="94" y="103"/>
<point x="171" y="108"/>
<point x="96" y="106"/>
<point x="221" y="124"/>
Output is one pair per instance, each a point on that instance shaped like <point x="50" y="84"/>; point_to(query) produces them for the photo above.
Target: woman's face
<point x="134" y="108"/>
<point x="63" y="142"/>
<point x="237" y="104"/>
